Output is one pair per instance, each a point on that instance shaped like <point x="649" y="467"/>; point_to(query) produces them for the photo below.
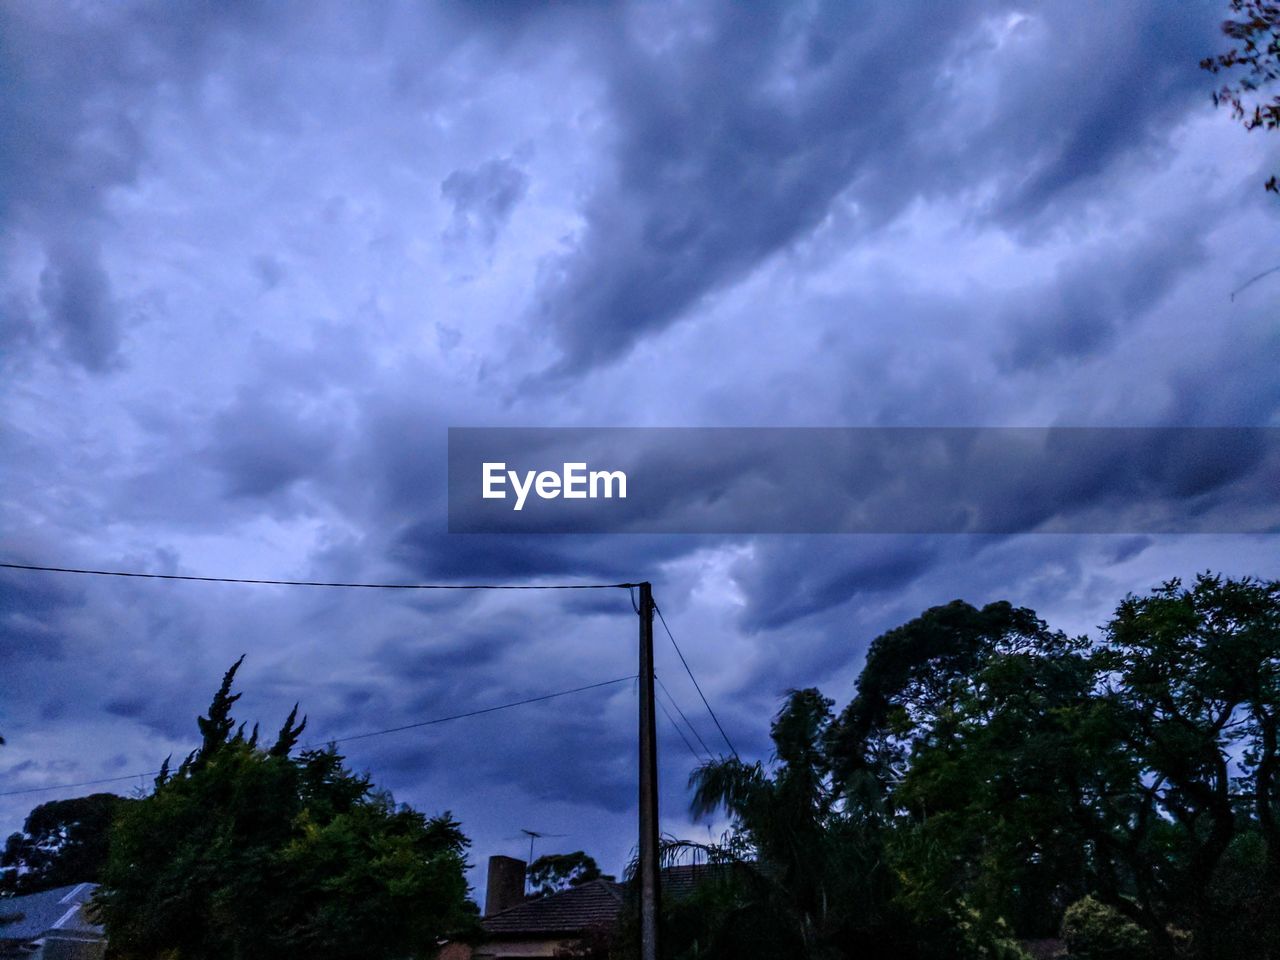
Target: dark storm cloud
<point x="131" y="707"/>
<point x="75" y="292"/>
<point x="421" y="658"/>
<point x="261" y="445"/>
<point x="69" y="139"/>
<point x="1098" y="293"/>
<point x="879" y="565"/>
<point x="738" y="142"/>
<point x="731" y="147"/>
<point x="483" y="198"/>
<point x="27" y="608"/>
<point x="582" y="750"/>
<point x="474" y="652"/>
<point x="433" y="554"/>
<point x="1119" y="78"/>
<point x="577" y="753"/>
<point x="1237" y="382"/>
<point x="67" y="142"/>
<point x="242" y="220"/>
<point x="830" y="597"/>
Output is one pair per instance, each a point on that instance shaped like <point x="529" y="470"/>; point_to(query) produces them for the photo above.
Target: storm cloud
<point x="255" y="261"/>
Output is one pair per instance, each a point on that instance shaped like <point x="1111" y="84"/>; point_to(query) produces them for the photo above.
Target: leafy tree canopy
<point x="811" y="875"/>
<point x="248" y="851"/>
<point x="62" y="842"/>
<point x="994" y="779"/>
<point x="560" y="871"/>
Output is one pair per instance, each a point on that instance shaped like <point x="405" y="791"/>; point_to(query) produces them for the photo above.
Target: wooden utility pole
<point x="649" y="850"/>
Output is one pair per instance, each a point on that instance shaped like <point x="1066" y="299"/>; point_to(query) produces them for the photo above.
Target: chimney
<point x="506" y="884"/>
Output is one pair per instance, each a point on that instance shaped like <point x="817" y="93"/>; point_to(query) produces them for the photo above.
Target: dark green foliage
<point x="62" y="842"/>
<point x="735" y="913"/>
<point x="1026" y="770"/>
<point x="1094" y="931"/>
<point x="560" y="871"/>
<point x="1193" y="682"/>
<point x="990" y="773"/>
<point x="963" y="721"/>
<point x="812" y="875"/>
<point x="250" y="852"/>
<point x="915" y="675"/>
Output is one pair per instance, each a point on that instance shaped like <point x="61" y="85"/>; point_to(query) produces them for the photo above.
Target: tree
<point x="248" y="851"/>
<point x="965" y="722"/>
<point x="560" y="871"/>
<point x="62" y="842"/>
<point x="811" y="875"/>
<point x="1094" y="931"/>
<point x="993" y="777"/>
<point x="1256" y="28"/>
<point x="1194" y="683"/>
<point x="914" y="677"/>
<point x="1023" y="769"/>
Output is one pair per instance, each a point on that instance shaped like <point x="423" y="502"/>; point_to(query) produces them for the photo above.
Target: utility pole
<point x="649" y="850"/>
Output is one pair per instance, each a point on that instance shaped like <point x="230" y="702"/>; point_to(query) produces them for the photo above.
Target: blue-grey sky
<point x="255" y="259"/>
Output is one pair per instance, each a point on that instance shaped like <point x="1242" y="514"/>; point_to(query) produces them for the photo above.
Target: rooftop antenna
<point x="537" y="835"/>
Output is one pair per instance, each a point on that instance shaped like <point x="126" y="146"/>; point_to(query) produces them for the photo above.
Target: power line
<point x="694" y="729"/>
<point x="82" y="783"/>
<point x="358" y="736"/>
<point x="696" y="685"/>
<point x="689" y="745"/>
<point x="476" y="713"/>
<point x="321" y="583"/>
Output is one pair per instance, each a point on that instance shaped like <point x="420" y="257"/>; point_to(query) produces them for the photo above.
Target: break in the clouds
<point x="254" y="262"/>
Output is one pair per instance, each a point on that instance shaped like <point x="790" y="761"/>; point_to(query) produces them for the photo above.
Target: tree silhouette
<point x="247" y="851"/>
<point x="62" y="842"/>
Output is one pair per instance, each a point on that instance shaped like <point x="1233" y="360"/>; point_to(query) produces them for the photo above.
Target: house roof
<point x="679" y="881"/>
<point x="571" y="911"/>
<point x="578" y="909"/>
<point x="56" y="912"/>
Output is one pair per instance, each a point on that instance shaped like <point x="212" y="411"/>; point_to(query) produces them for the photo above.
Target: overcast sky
<point x="255" y="259"/>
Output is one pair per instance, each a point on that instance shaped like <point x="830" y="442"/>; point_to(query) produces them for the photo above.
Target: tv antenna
<point x="538" y="835"/>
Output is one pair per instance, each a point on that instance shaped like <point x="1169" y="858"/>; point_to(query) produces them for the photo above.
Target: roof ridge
<point x="613" y="886"/>
<point x="72" y="892"/>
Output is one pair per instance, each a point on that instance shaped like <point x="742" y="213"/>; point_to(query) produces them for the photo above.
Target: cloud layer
<point x="255" y="261"/>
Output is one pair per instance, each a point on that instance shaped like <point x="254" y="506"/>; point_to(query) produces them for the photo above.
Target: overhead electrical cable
<point x="697" y="686"/>
<point x="476" y="713"/>
<point x="691" y="727"/>
<point x="321" y="583"/>
<point x="689" y="745"/>
<point x="357" y="736"/>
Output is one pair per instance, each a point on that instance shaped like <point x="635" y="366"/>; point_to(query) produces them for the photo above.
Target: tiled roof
<point x="680" y="881"/>
<point x="594" y="904"/>
<point x="571" y="911"/>
<point x="58" y="912"/>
